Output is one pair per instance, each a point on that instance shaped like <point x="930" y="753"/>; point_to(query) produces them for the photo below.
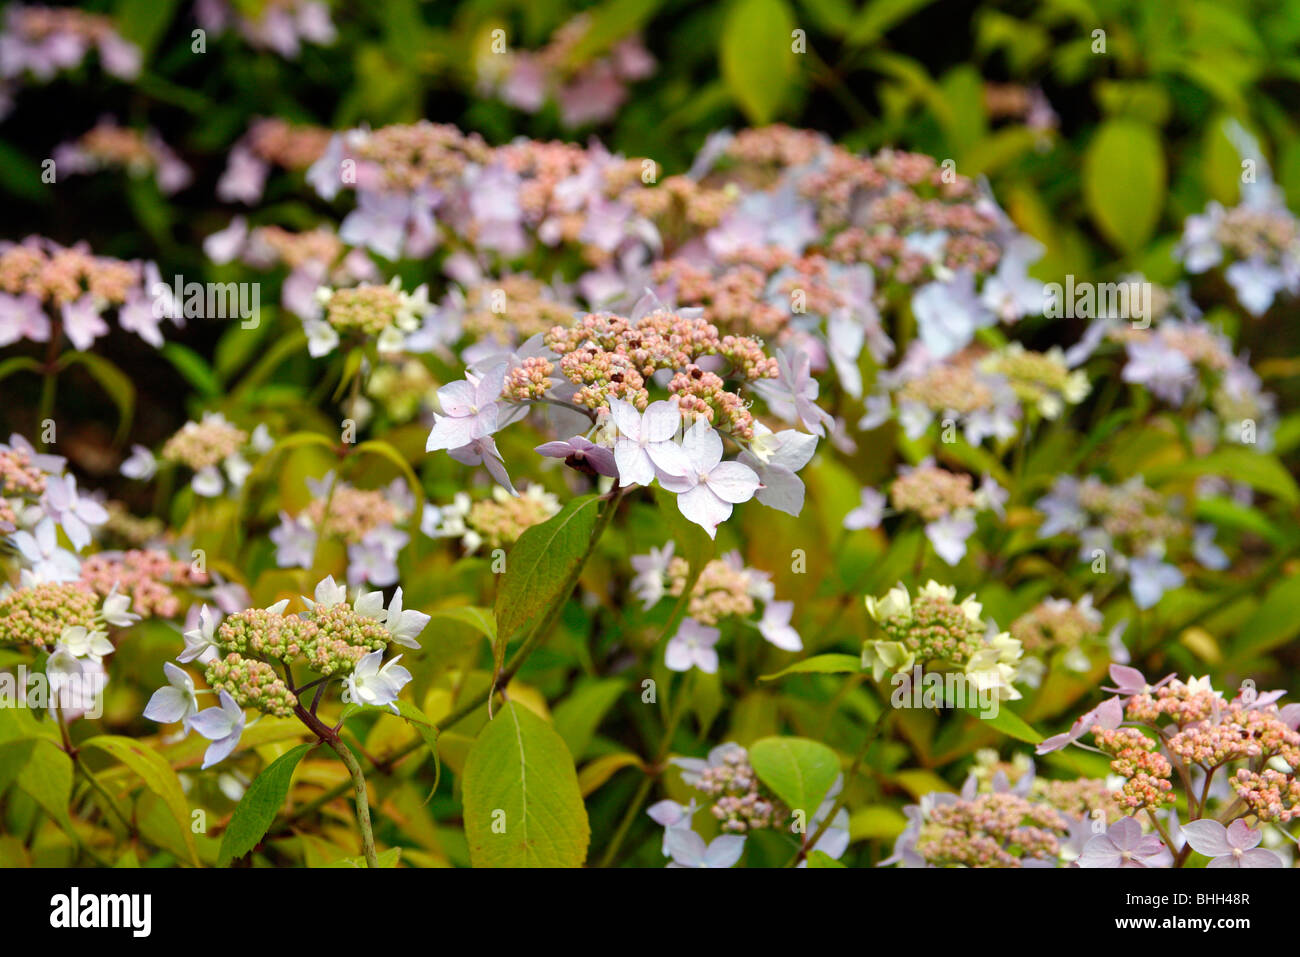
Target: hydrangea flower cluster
<point x="726" y="589"/>
<point x="340" y="640"/>
<point x="109" y="146"/>
<point x="495" y="521"/>
<point x="741" y="804"/>
<point x="1070" y="629"/>
<point x="213" y="448"/>
<point x="281" y="26"/>
<point x="382" y="313"/>
<point x="934" y="630"/>
<point x="150" y="576"/>
<point x="1003" y="819"/>
<point x="39" y="42"/>
<point x="590" y="93"/>
<point x="1258" y="239"/>
<point x="70" y="623"/>
<point x="1183" y="733"/>
<point x="368" y="521"/>
<point x="271" y="142"/>
<point x="946" y="502"/>
<point x="47" y="289"/>
<point x="315" y="258"/>
<point x="1130" y="528"/>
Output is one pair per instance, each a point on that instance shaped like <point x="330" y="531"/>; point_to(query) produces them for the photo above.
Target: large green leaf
<point x="542" y="567"/>
<point x="798" y="770"/>
<point x="1009" y="723"/>
<point x="256" y="810"/>
<point x="758" y="59"/>
<point x="1124" y="181"/>
<point x="522" y="803"/>
<point x="1274" y="622"/>
<point x="157" y="775"/>
<point x="832" y="664"/>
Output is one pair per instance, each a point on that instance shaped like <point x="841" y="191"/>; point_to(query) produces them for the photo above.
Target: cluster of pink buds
<point x="149" y="576"/>
<point x="109" y="146"/>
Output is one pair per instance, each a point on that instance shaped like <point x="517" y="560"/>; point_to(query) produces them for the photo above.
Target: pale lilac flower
<point x="775" y="626"/>
<point x="295" y="542"/>
<point x="222" y="726"/>
<point x="46" y="560"/>
<point x="669" y="815"/>
<point x="371" y="683"/>
<point x="949" y="313"/>
<point x="1166" y="371"/>
<point x="470" y="410"/>
<point x="1124" y="845"/>
<point x="582" y="455"/>
<point x="175" y="702"/>
<point x="649" y="584"/>
<point x="689" y="850"/>
<point x="371" y="562"/>
<point x="775" y="457"/>
<point x="645" y="441"/>
<point x="1236" y="845"/>
<point x="1256" y="283"/>
<point x="483" y="451"/>
<point x="74" y="512"/>
<point x="1130" y="681"/>
<point x="140" y="465"/>
<point x="869" y="512"/>
<point x="83" y="321"/>
<point x="225" y="244"/>
<point x="949" y="534"/>
<point x="711" y="487"/>
<point x="791" y="395"/>
<point x="1150" y="578"/>
<point x="1206" y="551"/>
<point x="692" y="647"/>
<point x="21" y="317"/>
<point x="244" y="179"/>
<point x="1108" y="715"/>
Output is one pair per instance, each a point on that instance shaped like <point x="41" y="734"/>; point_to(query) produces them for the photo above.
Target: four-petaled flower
<point x="710" y="487"/>
<point x="1236" y="845"/>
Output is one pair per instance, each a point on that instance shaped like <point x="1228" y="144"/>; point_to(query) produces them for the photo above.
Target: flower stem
<point x="363" y="802"/>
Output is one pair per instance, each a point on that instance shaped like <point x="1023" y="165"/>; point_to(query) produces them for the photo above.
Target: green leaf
<point x="13" y="758"/>
<point x="388" y="858"/>
<point x="798" y="770"/>
<point x="1009" y="723"/>
<point x="193" y="367"/>
<point x="820" y="665"/>
<point x="1258" y="470"/>
<point x="757" y="56"/>
<point x="113" y="381"/>
<point x="878" y="16"/>
<point x="480" y="619"/>
<point x="144" y="22"/>
<point x="19" y="364"/>
<point x="47" y="780"/>
<point x="1274" y="622"/>
<point x="429" y="732"/>
<point x="1124" y="181"/>
<point x="542" y="567"/>
<point x="522" y="805"/>
<point x="822" y="859"/>
<point x="157" y="775"/>
<point x="256" y="810"/>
